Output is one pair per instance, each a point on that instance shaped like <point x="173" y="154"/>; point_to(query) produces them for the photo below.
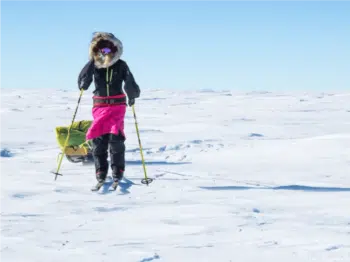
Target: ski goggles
<point x="105" y="50"/>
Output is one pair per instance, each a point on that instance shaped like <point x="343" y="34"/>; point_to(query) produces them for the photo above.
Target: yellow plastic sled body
<point x="77" y="149"/>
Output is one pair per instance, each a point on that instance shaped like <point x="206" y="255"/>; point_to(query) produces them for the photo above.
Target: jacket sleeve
<point x="130" y="86"/>
<point x="85" y="76"/>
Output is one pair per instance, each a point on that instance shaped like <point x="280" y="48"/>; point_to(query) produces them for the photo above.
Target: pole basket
<point x="146" y="181"/>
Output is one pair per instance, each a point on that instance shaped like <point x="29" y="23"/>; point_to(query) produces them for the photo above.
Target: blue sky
<point x="276" y="45"/>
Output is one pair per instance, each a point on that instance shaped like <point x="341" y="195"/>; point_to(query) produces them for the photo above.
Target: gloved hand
<point x="131" y="101"/>
<point x="81" y="85"/>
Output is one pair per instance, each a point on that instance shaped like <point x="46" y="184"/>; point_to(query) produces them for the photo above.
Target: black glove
<point x="82" y="85"/>
<point x="131" y="101"/>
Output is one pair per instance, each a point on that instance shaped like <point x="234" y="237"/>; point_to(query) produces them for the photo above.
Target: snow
<point x="255" y="176"/>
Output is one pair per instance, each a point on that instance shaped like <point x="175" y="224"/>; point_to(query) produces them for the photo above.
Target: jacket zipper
<point x="108" y="80"/>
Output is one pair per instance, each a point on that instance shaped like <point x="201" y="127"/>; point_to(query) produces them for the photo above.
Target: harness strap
<point x="109" y="101"/>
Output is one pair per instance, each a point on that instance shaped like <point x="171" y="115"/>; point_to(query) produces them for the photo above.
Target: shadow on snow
<point x="123" y="187"/>
<point x="139" y="162"/>
<point x="288" y="187"/>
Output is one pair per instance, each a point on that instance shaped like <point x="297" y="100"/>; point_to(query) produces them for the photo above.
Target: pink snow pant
<point x="107" y="119"/>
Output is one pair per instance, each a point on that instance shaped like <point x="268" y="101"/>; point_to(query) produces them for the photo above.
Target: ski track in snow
<point x="257" y="176"/>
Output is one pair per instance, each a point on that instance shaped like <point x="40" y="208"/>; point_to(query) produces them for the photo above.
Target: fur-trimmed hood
<point x="95" y="46"/>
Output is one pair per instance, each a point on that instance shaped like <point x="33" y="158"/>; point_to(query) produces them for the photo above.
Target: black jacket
<point x="117" y="73"/>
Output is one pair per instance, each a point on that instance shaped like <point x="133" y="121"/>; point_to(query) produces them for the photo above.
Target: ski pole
<point x="67" y="138"/>
<point x="146" y="180"/>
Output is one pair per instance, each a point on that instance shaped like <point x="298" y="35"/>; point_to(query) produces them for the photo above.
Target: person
<point x="109" y="103"/>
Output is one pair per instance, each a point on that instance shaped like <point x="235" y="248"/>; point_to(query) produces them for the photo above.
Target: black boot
<point x="117" y="173"/>
<point x="117" y="155"/>
<point x="101" y="175"/>
<point x="100" y="154"/>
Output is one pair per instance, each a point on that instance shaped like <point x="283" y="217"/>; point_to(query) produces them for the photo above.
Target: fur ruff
<point x="109" y="59"/>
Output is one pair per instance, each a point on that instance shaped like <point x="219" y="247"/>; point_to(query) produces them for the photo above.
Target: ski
<point x="114" y="186"/>
<point x="98" y="186"/>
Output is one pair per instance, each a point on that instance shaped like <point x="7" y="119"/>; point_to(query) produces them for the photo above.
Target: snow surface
<point x="255" y="176"/>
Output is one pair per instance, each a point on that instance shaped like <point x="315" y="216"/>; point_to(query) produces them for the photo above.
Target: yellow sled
<point x="77" y="149"/>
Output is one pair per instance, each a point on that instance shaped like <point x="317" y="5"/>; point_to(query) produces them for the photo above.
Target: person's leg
<point x="100" y="154"/>
<point x="117" y="155"/>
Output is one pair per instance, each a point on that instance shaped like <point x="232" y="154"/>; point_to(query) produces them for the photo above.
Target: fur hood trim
<point x="109" y="59"/>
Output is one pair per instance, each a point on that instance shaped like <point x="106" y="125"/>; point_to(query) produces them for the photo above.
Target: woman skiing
<point x="109" y="103"/>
